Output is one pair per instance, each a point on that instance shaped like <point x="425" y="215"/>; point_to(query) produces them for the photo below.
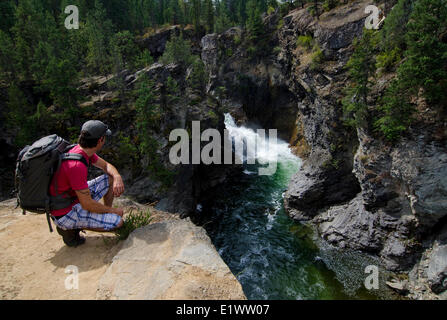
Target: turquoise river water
<point x="272" y="256"/>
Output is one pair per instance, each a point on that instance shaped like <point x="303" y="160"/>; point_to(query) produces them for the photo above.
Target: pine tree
<point x="177" y="50"/>
<point x="99" y="32"/>
<point x="209" y="16"/>
<point x="125" y="46"/>
<point x="61" y="80"/>
<point x="118" y="11"/>
<point x="176" y="12"/>
<point x="242" y="12"/>
<point x="196" y="7"/>
<point x="255" y="27"/>
<point x="424" y="67"/>
<point x="197" y="78"/>
<point x="223" y="21"/>
<point x="361" y="66"/>
<point x="172" y="91"/>
<point x="7" y="15"/>
<point x="426" y="58"/>
<point x="395" y="28"/>
<point x="7" y="58"/>
<point x="19" y="117"/>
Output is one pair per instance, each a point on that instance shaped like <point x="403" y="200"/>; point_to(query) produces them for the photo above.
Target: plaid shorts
<point x="79" y="218"/>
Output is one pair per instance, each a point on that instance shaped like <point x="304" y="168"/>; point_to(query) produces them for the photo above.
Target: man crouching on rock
<point x="86" y="212"/>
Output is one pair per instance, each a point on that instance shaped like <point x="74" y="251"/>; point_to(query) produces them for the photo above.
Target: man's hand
<point x="118" y="186"/>
<point x="91" y="205"/>
<point x="119" y="211"/>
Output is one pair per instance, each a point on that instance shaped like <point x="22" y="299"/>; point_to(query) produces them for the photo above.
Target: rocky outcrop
<point x="326" y="177"/>
<point x="180" y="194"/>
<point x="252" y="87"/>
<point x="169" y="260"/>
<point x="428" y="278"/>
<point x="437" y="268"/>
<point x="156" y="42"/>
<point x="410" y="176"/>
<point x="350" y="226"/>
<point x="361" y="192"/>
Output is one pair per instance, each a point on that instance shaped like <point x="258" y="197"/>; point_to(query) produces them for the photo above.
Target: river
<point x="272" y="256"/>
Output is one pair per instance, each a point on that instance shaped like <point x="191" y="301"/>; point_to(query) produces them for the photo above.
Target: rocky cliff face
<point x="169" y="260"/>
<point x="326" y="177"/>
<point x="360" y="192"/>
<point x="252" y="88"/>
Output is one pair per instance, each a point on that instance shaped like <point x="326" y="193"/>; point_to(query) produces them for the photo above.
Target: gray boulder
<point x="169" y="260"/>
<point x="351" y="226"/>
<point x="437" y="269"/>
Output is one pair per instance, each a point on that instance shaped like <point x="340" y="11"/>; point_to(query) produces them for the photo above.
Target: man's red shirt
<point x="71" y="176"/>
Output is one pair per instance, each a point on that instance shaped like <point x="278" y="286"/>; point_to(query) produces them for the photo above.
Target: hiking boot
<point x="79" y="239"/>
<point x="71" y="237"/>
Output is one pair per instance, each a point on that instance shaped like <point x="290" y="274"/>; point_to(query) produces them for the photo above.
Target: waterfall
<point x="272" y="256"/>
<point x="258" y="147"/>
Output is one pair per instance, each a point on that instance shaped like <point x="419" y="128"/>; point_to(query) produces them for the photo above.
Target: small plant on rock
<point x="132" y="222"/>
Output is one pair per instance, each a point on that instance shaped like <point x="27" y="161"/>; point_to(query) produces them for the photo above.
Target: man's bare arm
<point x="118" y="185"/>
<point x="91" y="205"/>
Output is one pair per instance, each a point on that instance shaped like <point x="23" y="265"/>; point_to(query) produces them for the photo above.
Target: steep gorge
<point x="358" y="192"/>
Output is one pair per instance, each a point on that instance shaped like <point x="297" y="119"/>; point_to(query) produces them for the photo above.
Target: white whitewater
<point x="265" y="150"/>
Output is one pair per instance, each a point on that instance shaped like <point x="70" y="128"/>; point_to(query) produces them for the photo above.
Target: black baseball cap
<point x="96" y="129"/>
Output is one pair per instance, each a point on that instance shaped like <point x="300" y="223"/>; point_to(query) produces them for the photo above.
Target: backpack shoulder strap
<point x="76" y="157"/>
<point x="69" y="156"/>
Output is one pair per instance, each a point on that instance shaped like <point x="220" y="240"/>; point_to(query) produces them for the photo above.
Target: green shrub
<point x="317" y="58"/>
<point x="145" y="59"/>
<point x="177" y="50"/>
<point x="329" y="4"/>
<point x="280" y="24"/>
<point x="388" y="60"/>
<point x="251" y="51"/>
<point x="395" y="112"/>
<point x="127" y="150"/>
<point x="132" y="222"/>
<point x="305" y="42"/>
<point x="237" y="40"/>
